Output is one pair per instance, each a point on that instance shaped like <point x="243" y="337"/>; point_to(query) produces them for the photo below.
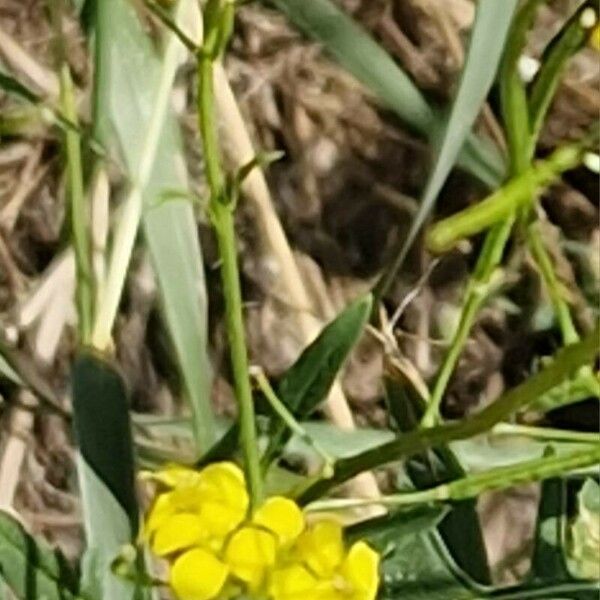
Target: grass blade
<point x="130" y="80"/>
<point x="491" y="27"/>
<point x="358" y="52"/>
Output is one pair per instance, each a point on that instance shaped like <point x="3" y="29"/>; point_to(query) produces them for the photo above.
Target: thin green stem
<point x="546" y="268"/>
<point x="288" y="418"/>
<point x="84" y="292"/>
<point x="545" y="433"/>
<point x="477" y="289"/>
<point x="474" y="485"/>
<point x="513" y="96"/>
<point x="566" y="362"/>
<point x="516" y="194"/>
<point x="516" y="119"/>
<point x="221" y="210"/>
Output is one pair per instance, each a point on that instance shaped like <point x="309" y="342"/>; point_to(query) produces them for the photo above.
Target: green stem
<point x="288" y="418"/>
<point x="84" y="292"/>
<point x="516" y="194"/>
<point x="546" y="268"/>
<point x="489" y="258"/>
<point x="221" y="210"/>
<point x="513" y="96"/>
<point x="545" y="433"/>
<point x="516" y="119"/>
<point x="474" y="485"/>
<point x="566" y="362"/>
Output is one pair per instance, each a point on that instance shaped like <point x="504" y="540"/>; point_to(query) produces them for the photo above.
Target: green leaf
<point x="337" y="442"/>
<point x="7" y="372"/>
<point x="490" y="452"/>
<point x="106" y="472"/>
<point x="13" y="86"/>
<point x="461" y="530"/>
<point x="387" y="529"/>
<point x="357" y="52"/>
<point x="491" y="27"/>
<point x="584" y="551"/>
<point x="571" y="37"/>
<point x="128" y="76"/>
<point x="548" y="559"/>
<point x="30" y="568"/>
<point x="306" y="383"/>
<point x="418" y="567"/>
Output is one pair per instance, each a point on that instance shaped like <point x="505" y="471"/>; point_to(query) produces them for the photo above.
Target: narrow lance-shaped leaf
<point x="306" y="383"/>
<point x="492" y="23"/>
<point x="563" y="46"/>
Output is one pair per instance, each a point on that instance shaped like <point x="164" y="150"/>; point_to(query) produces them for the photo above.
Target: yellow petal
<point x="225" y="482"/>
<point x="249" y="553"/>
<point x="220" y="519"/>
<point x="321" y="547"/>
<point x="292" y="583"/>
<point x="177" y="532"/>
<point x="162" y="508"/>
<point x="223" y="476"/>
<point x="282" y="516"/>
<point x="173" y="476"/>
<point x="361" y="571"/>
<point x="198" y="575"/>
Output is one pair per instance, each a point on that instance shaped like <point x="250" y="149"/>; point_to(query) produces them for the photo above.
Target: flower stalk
<point x="218" y="18"/>
<point x="474" y="485"/>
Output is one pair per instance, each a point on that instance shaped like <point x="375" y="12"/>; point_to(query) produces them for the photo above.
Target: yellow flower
<point x="217" y="551"/>
<point x="323" y="570"/>
<point x="190" y="522"/>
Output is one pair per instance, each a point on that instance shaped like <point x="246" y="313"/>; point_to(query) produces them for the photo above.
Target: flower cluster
<point x="217" y="551"/>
